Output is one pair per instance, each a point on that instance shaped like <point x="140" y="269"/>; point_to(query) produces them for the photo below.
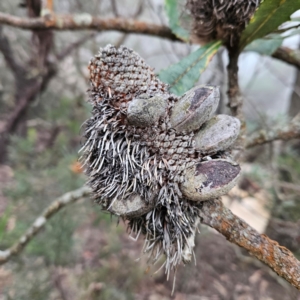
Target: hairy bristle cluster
<point x="134" y="170"/>
<point x="220" y="19"/>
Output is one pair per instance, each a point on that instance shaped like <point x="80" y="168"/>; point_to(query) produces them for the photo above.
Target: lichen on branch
<point x="278" y="258"/>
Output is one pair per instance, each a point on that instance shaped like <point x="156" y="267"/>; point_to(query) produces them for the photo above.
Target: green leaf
<point x="267" y="18"/>
<point x="172" y="11"/>
<point x="183" y="75"/>
<point x="265" y="46"/>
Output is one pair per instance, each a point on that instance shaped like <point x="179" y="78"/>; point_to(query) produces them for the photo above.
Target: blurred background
<point x="82" y="253"/>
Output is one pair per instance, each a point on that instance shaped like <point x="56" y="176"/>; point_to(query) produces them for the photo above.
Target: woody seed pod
<point x="194" y="108"/>
<point x="210" y="179"/>
<point x="218" y="134"/>
<point x="139" y="152"/>
<point x="146" y="112"/>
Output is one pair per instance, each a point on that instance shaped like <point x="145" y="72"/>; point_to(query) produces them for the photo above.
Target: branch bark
<point x="278" y="258"/>
<point x="288" y="56"/>
<point x="234" y="94"/>
<point x="86" y="21"/>
<point x="40" y="222"/>
<point x="235" y="99"/>
<point x="292" y="131"/>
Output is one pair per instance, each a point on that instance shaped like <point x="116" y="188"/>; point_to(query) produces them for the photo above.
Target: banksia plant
<point x="152" y="157"/>
<point x="220" y="19"/>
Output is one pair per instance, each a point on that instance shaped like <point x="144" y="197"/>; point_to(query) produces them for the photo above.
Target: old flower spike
<point x="152" y="157"/>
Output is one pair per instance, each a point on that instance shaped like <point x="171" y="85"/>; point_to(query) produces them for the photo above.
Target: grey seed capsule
<point x="194" y="108"/>
<point x="132" y="206"/>
<point x="146" y="112"/>
<point x="218" y="134"/>
<point x="210" y="179"/>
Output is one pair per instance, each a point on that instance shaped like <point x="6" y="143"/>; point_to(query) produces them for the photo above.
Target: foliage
<point x="269" y="15"/>
<point x="173" y="12"/>
<point x="182" y="76"/>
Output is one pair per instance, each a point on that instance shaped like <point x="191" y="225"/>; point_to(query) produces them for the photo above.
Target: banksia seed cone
<point x="152" y="157"/>
<point x="220" y="19"/>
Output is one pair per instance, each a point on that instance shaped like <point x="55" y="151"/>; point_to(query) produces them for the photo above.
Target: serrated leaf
<point x="183" y="75"/>
<point x="265" y="46"/>
<point x="267" y="18"/>
<point x="172" y="10"/>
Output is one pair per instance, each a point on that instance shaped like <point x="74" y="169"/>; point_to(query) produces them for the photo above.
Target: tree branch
<point x="40" y="222"/>
<point x="278" y="258"/>
<point x="288" y="55"/>
<point x="235" y="99"/>
<point x="87" y="21"/>
<point x="234" y="94"/>
<point x="292" y="131"/>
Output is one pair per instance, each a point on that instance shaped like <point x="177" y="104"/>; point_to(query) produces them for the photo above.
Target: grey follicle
<point x="144" y="153"/>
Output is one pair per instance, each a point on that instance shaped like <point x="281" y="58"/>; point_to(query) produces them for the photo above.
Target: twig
<point x="292" y="131"/>
<point x="288" y="55"/>
<point x="114" y="8"/>
<point x="289" y="186"/>
<point x="278" y="258"/>
<point x="40" y="222"/>
<point x="234" y="94"/>
<point x="87" y="21"/>
<point x="235" y="99"/>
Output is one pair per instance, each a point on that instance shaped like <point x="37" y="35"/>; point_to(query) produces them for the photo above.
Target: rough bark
<point x="87" y="21"/>
<point x="278" y="258"/>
